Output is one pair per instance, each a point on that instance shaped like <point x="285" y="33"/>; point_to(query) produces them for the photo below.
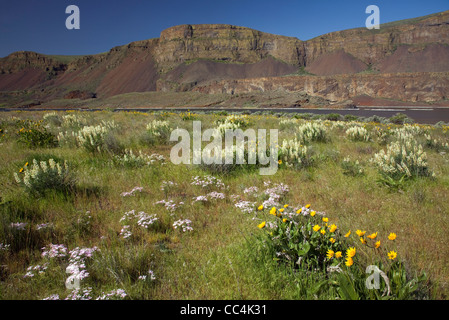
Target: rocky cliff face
<point x="224" y="43"/>
<point x="208" y="58"/>
<point x="24" y="69"/>
<point x="371" y="46"/>
<point x="408" y="87"/>
<point x="18" y="61"/>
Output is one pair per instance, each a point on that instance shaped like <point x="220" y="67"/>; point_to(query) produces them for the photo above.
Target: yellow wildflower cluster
<point x="374" y="242"/>
<point x="326" y="235"/>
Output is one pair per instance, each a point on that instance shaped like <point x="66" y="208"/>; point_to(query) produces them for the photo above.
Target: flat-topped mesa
<point x="213" y="31"/>
<point x="225" y="43"/>
<point x="372" y="46"/>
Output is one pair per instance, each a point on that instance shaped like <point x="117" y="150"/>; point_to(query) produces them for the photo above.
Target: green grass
<point x="222" y="257"/>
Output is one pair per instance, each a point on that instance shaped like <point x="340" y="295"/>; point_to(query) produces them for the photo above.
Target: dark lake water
<point x="425" y="115"/>
<point x="420" y="115"/>
<point x="429" y="115"/>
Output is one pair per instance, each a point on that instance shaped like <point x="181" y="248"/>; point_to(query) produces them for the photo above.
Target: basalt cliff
<point x="404" y="62"/>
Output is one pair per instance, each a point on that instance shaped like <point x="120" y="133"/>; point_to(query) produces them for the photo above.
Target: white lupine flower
<point x="92" y="137"/>
<point x="311" y="131"/>
<point x="293" y="153"/>
<point x="288" y="122"/>
<point x="357" y="133"/>
<point x="52" y="163"/>
<point x="159" y="128"/>
<point x="72" y="120"/>
<point x="404" y="157"/>
<point x="131" y="159"/>
<point x="227" y="125"/>
<point x="44" y="166"/>
<point x="40" y="176"/>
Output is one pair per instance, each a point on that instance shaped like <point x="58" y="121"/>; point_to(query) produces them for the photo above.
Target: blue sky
<point x="39" y="25"/>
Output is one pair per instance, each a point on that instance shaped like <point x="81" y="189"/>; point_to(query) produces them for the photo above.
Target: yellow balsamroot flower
<point x="332" y="228"/>
<point x="262" y="225"/>
<point x="392" y="255"/>
<point x="26" y="164"/>
<point x="281" y="210"/>
<point x="323" y="231"/>
<point x="338" y="254"/>
<point x="348" y="234"/>
<point x="308" y="206"/>
<point x="325" y="219"/>
<point x="330" y="254"/>
<point x="280" y="161"/>
<point x="372" y="236"/>
<point x="316" y="228"/>
<point x="299" y="211"/>
<point x="21" y="170"/>
<point x="351" y="252"/>
<point x="273" y="211"/>
<point x="332" y="240"/>
<point x="260" y="208"/>
<point x="285" y="205"/>
<point x="362" y="240"/>
<point x="360" y="233"/>
<point x="392" y="236"/>
<point x="377" y="244"/>
<point x="349" y="262"/>
<point x="284" y="220"/>
<point x="312" y="214"/>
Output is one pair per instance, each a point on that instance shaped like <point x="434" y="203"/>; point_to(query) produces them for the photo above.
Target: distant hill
<point x="194" y="57"/>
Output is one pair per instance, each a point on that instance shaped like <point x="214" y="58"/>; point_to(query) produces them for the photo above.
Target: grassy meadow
<point x="92" y="198"/>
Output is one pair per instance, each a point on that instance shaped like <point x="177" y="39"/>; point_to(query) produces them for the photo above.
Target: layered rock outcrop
<point x="227" y="43"/>
<point x="213" y="58"/>
<point x="410" y="87"/>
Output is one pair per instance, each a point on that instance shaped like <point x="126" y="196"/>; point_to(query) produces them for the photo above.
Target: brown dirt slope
<point x="21" y="80"/>
<point x="25" y="69"/>
<point x="129" y="68"/>
<point x="337" y="62"/>
<point x="431" y="58"/>
<point x="136" y="73"/>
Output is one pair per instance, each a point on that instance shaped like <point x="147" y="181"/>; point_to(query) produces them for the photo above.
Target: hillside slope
<point x="188" y="57"/>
